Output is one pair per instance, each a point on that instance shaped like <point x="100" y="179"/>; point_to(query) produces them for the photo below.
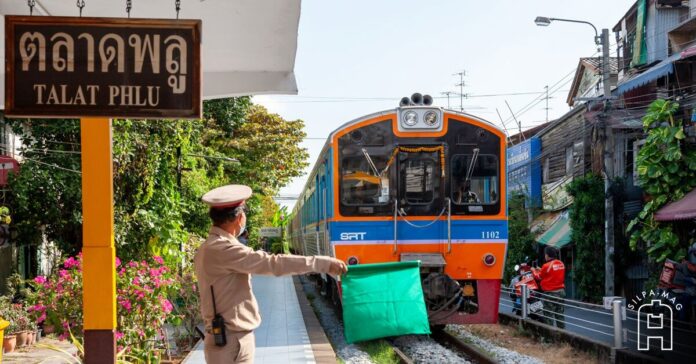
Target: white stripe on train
<point x="414" y="242"/>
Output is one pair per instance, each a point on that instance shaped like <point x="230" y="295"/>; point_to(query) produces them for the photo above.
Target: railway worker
<point x="552" y="282"/>
<point x="224" y="267"/>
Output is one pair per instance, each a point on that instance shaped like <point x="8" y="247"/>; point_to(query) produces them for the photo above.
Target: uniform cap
<point x="227" y="196"/>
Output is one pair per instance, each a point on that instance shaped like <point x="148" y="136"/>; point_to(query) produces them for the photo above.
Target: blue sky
<point x="383" y="50"/>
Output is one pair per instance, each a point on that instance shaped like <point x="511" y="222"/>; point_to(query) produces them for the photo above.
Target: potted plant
<point x="9" y="340"/>
<point x="22" y="323"/>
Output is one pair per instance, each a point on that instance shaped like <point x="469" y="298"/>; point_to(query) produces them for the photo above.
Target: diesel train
<point x="417" y="182"/>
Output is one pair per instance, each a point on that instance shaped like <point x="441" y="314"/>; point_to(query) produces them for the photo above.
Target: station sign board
<point x="102" y="67"/>
<point x="270" y="232"/>
<point x="524" y="169"/>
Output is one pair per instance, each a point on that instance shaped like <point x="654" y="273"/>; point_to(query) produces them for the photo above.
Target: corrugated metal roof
<point x="684" y="209"/>
<point x="661" y="69"/>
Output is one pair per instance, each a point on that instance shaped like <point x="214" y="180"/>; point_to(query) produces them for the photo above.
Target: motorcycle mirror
<point x="517" y="267"/>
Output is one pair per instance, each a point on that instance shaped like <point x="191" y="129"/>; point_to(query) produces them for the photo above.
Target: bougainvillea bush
<point x="143" y="304"/>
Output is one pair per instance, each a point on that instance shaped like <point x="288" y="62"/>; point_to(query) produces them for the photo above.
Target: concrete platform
<point x="289" y="331"/>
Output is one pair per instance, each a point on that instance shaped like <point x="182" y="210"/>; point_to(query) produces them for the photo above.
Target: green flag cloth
<point x="381" y="300"/>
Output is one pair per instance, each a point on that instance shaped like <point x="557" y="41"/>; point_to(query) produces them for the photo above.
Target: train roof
<point x="327" y="143"/>
<point x="395" y="110"/>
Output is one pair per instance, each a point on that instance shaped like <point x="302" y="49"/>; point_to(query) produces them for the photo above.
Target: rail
<point x="617" y="326"/>
<point x="471" y="351"/>
<point x="401" y="356"/>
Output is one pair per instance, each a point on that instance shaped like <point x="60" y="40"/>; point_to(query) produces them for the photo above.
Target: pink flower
<point x="127" y="305"/>
<point x="40" y="279"/>
<point x="70" y="263"/>
<point x="118" y="262"/>
<point x="132" y="264"/>
<point x="158" y="259"/>
<point x="119" y="335"/>
<point x="136" y="281"/>
<point x="167" y="306"/>
<point x="63" y="274"/>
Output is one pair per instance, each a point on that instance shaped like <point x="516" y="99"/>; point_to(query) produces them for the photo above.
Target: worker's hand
<point x="337" y="267"/>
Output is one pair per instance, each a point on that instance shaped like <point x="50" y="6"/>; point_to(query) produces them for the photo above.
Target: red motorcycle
<point x="525" y="277"/>
<point x="675" y="280"/>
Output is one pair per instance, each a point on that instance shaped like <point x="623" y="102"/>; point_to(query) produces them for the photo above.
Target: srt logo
<point x="353" y="236"/>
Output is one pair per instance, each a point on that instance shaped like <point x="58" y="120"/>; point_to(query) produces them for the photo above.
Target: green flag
<point x="640" y="48"/>
<point x="381" y="300"/>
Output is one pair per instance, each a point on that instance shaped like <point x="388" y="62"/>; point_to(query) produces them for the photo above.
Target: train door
<point x="420" y="192"/>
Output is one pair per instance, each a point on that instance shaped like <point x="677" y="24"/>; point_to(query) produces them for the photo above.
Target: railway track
<point x="444" y="338"/>
<point x="477" y="355"/>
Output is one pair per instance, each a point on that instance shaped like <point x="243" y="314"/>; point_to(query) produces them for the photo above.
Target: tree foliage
<point x="587" y="222"/>
<point x="46" y="193"/>
<point x="161" y="170"/>
<point x="667" y="171"/>
<point x="521" y="242"/>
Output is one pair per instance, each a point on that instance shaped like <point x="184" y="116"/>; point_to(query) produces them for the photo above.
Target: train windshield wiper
<point x="369" y="161"/>
<point x="472" y="166"/>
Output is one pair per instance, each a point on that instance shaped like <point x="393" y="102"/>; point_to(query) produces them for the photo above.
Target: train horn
<point x="405" y="101"/>
<point x="427" y="100"/>
<point x="417" y="99"/>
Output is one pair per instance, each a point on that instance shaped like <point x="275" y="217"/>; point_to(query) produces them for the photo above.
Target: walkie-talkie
<point x="218" y="324"/>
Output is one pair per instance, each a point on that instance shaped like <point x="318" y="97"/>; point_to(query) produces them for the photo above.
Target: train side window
<point x="360" y="185"/>
<point x="477" y="183"/>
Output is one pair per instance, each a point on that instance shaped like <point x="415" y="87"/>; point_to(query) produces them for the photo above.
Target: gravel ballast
<point x="423" y="349"/>
<point x="349" y="353"/>
<point x="502" y="355"/>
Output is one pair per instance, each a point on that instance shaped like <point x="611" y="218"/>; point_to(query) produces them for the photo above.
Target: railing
<point x="614" y="325"/>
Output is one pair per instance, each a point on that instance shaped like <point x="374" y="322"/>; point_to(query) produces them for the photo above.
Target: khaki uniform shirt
<point x="226" y="264"/>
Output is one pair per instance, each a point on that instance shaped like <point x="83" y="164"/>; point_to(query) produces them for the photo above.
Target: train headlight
<point x="430" y="118"/>
<point x="489" y="259"/>
<point x="410" y="118"/>
<point x="353" y="261"/>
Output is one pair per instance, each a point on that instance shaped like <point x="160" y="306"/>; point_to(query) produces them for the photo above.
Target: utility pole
<point x="547" y="103"/>
<point x="461" y="89"/>
<point x="608" y="147"/>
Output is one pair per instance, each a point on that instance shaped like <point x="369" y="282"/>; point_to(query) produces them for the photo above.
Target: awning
<point x="664" y="68"/>
<point x="248" y="48"/>
<point x="683" y="209"/>
<point x="558" y="235"/>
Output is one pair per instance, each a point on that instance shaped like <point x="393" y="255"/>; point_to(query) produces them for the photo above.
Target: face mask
<point x="241" y="231"/>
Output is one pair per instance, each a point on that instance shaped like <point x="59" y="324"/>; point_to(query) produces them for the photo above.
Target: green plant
<point x="586" y="223"/>
<point x="521" y="242"/>
<point x="667" y="171"/>
<point x="5" y="215"/>
<point x="380" y="352"/>
<point x="9" y="313"/>
<point x="143" y="289"/>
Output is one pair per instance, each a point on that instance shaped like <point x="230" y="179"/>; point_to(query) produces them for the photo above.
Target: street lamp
<point x="543" y="21"/>
<point x="608" y="148"/>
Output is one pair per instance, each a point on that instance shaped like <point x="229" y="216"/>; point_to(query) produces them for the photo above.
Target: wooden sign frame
<point x="74" y="67"/>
